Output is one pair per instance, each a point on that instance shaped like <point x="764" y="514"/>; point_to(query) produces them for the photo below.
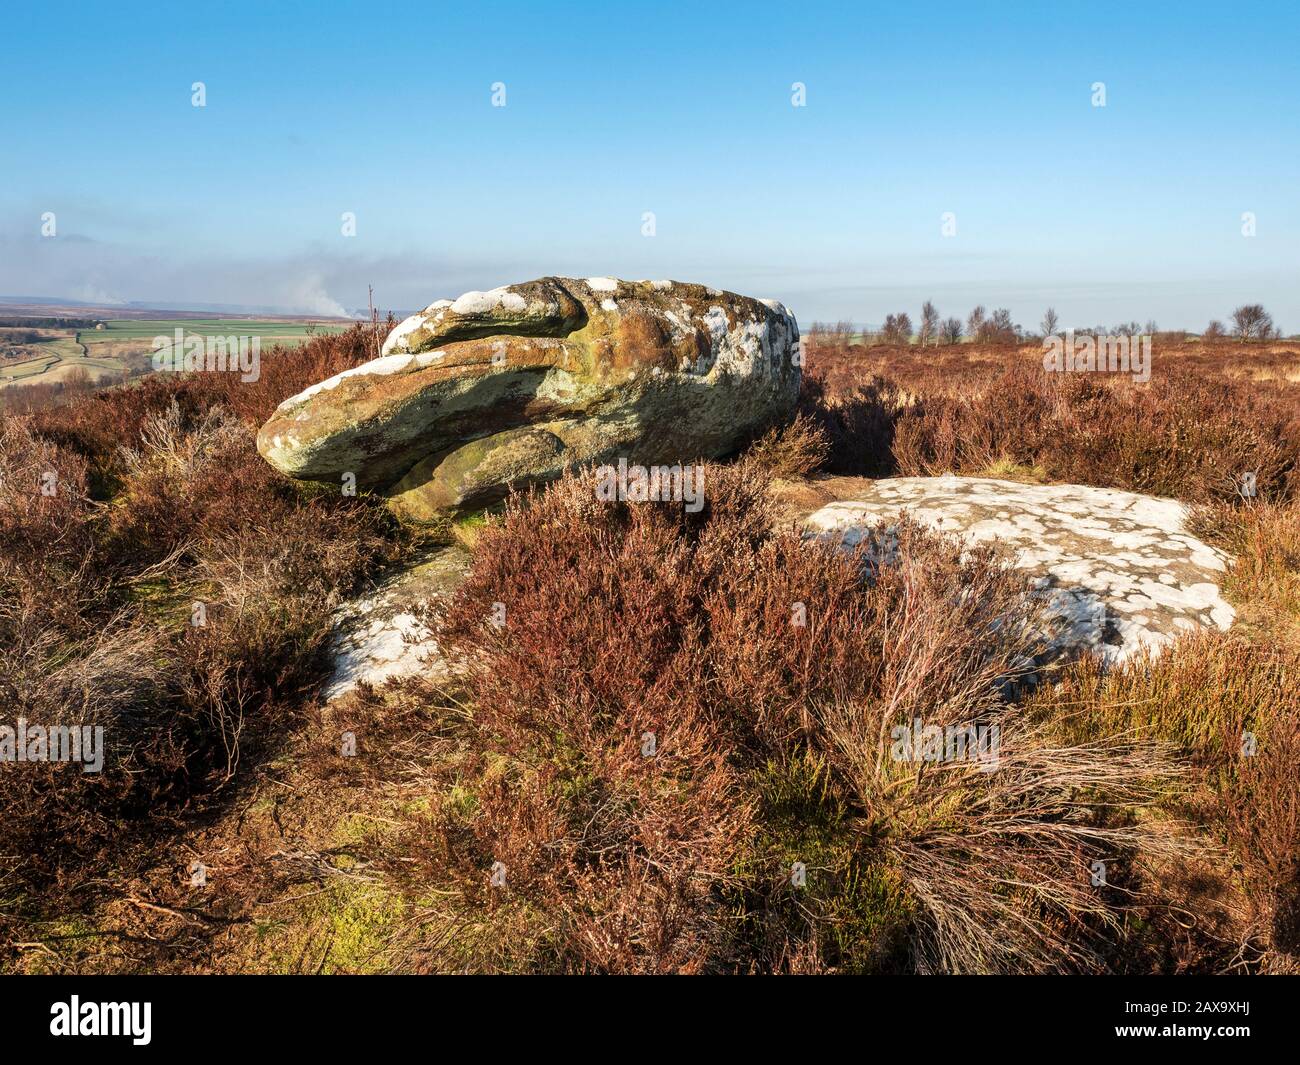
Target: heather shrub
<point x="662" y="712"/>
<point x="858" y="424"/>
<point x="1264" y="578"/>
<point x="44" y="509"/>
<point x="166" y="494"/>
<point x="1199" y="695"/>
<point x="1263" y="819"/>
<point x="111" y="676"/>
<point x="1232" y="707"/>
<point x="174" y="590"/>
<point x="794" y="450"/>
<point x="1192" y="433"/>
<point x="1188" y="439"/>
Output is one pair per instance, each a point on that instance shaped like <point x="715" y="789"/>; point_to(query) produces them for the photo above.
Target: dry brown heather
<point x="628" y="621"/>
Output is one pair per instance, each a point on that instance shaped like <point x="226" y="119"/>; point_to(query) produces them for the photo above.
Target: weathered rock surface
<point x="508" y="386"/>
<point x="1119" y="571"/>
<point x="386" y="634"/>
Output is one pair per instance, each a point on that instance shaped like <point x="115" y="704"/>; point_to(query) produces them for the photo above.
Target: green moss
<point x="461" y="802"/>
<point x="66" y="940"/>
<point x="476" y="474"/>
<point x="420" y="806"/>
<point x="853" y="906"/>
<point x="352" y="830"/>
<point x="360" y="924"/>
<point x="467" y="528"/>
<point x="344" y="929"/>
<point x="165" y="601"/>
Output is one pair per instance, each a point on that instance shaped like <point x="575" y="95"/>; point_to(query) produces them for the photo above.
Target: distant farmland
<point x="271" y="332"/>
<point x="124" y="347"/>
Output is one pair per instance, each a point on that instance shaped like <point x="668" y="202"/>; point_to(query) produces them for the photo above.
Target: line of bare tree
<point x="995" y="328"/>
<point x="1249" y="322"/>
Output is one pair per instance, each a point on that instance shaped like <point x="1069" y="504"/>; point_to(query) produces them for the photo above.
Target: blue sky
<point x="1131" y="211"/>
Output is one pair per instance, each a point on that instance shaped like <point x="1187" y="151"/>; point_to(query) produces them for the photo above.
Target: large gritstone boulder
<point x="508" y="387"/>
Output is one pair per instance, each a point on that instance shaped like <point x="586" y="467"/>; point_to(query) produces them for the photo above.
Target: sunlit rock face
<point x="510" y="386"/>
<point x="1118" y="571"/>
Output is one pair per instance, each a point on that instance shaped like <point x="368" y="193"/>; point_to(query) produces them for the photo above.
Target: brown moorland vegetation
<point x="159" y="581"/>
<point x="680" y="708"/>
<point x="1212" y="412"/>
<point x="651" y="743"/>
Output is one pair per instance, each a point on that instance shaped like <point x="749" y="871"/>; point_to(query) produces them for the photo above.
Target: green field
<point x="125" y="347"/>
<point x="271" y="332"/>
<point x="54" y="360"/>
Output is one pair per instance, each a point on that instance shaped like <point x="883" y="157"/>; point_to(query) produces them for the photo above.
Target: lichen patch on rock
<point x="1119" y="571"/>
<point x="594" y="369"/>
<point x="386" y="635"/>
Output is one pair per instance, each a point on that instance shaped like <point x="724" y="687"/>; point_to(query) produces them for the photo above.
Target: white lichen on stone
<point x="385" y="636"/>
<point x="486" y="302"/>
<point x="730" y="361"/>
<point x="396" y="340"/>
<point x="716" y="321"/>
<point x="380" y="367"/>
<point x="1118" y="569"/>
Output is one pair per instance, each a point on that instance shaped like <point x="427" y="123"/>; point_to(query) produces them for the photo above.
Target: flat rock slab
<point x="384" y="636"/>
<point x="1119" y="570"/>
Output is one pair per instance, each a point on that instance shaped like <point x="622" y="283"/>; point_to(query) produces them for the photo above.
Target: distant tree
<point x="1050" y="322"/>
<point x="78" y="380"/>
<point x="998" y="328"/>
<point x="1251" y="322"/>
<point x="974" y="321"/>
<point x="950" y="331"/>
<point x="898" y="328"/>
<point x="1151" y="329"/>
<point x="929" y="323"/>
<point x="1214" y="331"/>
